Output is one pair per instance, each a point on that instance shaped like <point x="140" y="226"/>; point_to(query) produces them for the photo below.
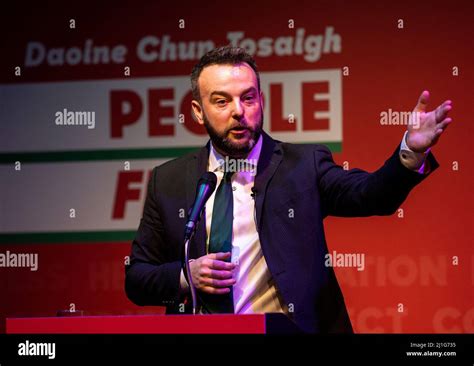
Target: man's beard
<point x="226" y="145"/>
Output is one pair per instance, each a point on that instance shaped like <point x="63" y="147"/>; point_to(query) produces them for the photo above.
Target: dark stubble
<point x="223" y="143"/>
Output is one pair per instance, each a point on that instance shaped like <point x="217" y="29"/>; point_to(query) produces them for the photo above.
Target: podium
<point x="270" y="323"/>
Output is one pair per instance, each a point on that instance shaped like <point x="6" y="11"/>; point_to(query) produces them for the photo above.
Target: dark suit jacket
<point x="303" y="178"/>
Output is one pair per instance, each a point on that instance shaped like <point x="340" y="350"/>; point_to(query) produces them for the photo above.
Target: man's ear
<point x="262" y="99"/>
<point x="197" y="111"/>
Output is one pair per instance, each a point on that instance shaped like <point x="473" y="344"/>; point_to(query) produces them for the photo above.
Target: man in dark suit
<point x="260" y="246"/>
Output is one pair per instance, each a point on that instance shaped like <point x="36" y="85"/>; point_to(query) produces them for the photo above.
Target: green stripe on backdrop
<point x="67" y="237"/>
<point x="111" y="154"/>
<point x="92" y="155"/>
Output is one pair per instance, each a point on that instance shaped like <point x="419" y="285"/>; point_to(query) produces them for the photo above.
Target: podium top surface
<point x="147" y="324"/>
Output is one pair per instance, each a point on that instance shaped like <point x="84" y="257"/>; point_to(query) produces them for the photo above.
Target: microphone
<point x="206" y="185"/>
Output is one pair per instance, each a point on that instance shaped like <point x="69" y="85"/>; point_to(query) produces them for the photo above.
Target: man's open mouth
<point x="238" y="129"/>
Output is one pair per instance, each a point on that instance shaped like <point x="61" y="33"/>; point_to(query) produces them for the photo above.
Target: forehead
<point x="229" y="78"/>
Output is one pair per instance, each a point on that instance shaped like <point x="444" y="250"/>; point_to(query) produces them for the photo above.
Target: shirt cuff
<point x="413" y="160"/>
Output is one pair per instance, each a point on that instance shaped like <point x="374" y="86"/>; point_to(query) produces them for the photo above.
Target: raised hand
<point x="425" y="128"/>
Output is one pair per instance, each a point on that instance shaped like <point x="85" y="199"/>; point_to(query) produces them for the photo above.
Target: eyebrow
<point x="220" y="92"/>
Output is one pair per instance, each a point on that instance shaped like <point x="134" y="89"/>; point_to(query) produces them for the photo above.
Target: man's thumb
<point x="422" y="101"/>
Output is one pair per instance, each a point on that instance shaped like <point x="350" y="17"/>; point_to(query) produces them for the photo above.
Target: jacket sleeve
<point x="354" y="192"/>
<point x="150" y="279"/>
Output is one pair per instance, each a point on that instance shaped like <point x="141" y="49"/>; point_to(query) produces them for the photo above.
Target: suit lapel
<point x="195" y="168"/>
<point x="270" y="158"/>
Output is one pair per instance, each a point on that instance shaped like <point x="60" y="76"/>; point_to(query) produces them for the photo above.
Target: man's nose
<point x="238" y="110"/>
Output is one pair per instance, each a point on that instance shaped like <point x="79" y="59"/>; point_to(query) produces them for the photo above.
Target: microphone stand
<point x="188" y="270"/>
<point x="205" y="188"/>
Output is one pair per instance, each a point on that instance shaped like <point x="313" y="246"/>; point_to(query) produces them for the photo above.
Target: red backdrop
<point x="409" y="259"/>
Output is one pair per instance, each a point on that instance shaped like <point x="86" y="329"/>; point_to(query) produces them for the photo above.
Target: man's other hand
<point x="212" y="274"/>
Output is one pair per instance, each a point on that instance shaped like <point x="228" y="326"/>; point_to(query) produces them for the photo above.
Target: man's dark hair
<point x="225" y="55"/>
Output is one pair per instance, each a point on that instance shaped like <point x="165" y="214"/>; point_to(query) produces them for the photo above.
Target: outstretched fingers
<point x="442" y="111"/>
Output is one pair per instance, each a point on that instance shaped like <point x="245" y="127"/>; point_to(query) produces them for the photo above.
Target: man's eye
<point x="249" y="98"/>
<point x="221" y="102"/>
